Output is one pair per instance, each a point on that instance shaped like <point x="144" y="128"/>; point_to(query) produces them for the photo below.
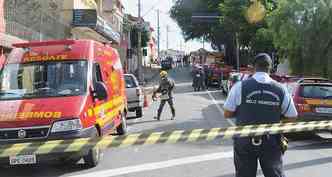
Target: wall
<point x="2" y="17"/>
<point x="35" y="19"/>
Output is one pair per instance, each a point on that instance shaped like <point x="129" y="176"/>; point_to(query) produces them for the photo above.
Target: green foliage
<point x="302" y="33"/>
<point x="299" y="30"/>
<point x="222" y="32"/>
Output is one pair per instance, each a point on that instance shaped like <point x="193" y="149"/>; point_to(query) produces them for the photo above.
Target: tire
<point x="122" y="128"/>
<point x="92" y="159"/>
<point x="139" y="112"/>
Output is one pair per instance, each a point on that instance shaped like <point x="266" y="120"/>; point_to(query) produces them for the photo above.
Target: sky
<point x="149" y="13"/>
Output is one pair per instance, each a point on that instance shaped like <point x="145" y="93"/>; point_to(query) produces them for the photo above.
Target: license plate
<point x="324" y="110"/>
<point x="22" y="159"/>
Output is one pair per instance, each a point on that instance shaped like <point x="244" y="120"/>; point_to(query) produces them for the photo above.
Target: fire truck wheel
<point x="93" y="158"/>
<point x="122" y="128"/>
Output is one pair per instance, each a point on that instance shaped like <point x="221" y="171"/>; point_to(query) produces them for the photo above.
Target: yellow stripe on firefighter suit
<point x="75" y="145"/>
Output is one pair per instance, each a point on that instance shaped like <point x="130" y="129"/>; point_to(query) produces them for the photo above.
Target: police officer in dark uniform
<point x="165" y="88"/>
<point x="259" y="100"/>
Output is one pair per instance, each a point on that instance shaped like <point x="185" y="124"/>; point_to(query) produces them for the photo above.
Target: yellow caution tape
<point x="74" y="145"/>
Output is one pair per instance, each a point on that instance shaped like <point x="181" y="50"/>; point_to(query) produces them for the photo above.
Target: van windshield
<point x="43" y="79"/>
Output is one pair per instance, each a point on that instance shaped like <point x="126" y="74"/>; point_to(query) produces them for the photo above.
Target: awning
<point x="89" y="18"/>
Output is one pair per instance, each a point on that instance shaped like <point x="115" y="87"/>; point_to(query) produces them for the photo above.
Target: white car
<point x="135" y="97"/>
<point x="233" y="78"/>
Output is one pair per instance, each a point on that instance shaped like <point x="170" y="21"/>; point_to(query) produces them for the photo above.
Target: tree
<point x="302" y="33"/>
<point x="223" y="32"/>
<point x="145" y="37"/>
<point x="213" y="32"/>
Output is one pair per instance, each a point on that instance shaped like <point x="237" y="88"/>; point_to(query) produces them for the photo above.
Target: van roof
<point x="61" y="50"/>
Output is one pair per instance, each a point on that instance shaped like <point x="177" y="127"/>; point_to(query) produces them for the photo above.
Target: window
<point x="130" y="82"/>
<point x="317" y="91"/>
<point x="97" y="77"/>
<point x="43" y="79"/>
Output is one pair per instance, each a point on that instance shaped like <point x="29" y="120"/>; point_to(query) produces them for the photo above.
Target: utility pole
<point x="167" y="31"/>
<point x="237" y="52"/>
<point x="158" y="20"/>
<point x="139" y="48"/>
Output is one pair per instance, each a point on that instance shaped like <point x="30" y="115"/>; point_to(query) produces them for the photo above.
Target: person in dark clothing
<point x="208" y="75"/>
<point x="166" y="87"/>
<point x="198" y="79"/>
<point x="259" y="100"/>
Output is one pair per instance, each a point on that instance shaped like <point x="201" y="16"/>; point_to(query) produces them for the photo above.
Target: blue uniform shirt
<point x="234" y="98"/>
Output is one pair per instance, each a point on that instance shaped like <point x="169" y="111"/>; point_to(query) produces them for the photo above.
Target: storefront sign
<point x="105" y="28"/>
<point x="89" y="18"/>
<point x="84" y="17"/>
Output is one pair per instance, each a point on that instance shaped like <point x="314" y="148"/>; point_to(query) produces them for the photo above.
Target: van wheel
<point x="92" y="159"/>
<point x="122" y="128"/>
<point x="139" y="112"/>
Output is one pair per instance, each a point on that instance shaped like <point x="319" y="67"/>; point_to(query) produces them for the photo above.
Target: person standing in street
<point x="198" y="79"/>
<point x="166" y="87"/>
<point x="259" y="100"/>
<point x="207" y="73"/>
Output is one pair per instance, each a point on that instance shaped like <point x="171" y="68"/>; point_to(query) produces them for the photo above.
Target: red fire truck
<point x="56" y="90"/>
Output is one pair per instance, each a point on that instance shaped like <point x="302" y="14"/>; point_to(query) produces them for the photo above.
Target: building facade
<point x="35" y="20"/>
<point x="175" y="54"/>
<point x="32" y="20"/>
<point x="88" y="21"/>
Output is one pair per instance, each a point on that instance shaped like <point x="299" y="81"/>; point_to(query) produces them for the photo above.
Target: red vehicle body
<point x="62" y="90"/>
<point x="312" y="98"/>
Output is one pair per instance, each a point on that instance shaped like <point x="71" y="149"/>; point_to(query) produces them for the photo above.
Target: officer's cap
<point x="263" y="58"/>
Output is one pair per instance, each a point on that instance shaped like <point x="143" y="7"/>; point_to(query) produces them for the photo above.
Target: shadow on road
<point x="147" y="121"/>
<point x="45" y="170"/>
<point x="323" y="144"/>
<point x="293" y="166"/>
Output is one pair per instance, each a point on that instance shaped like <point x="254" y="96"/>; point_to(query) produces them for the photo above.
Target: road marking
<point x="158" y="165"/>
<point x="219" y="108"/>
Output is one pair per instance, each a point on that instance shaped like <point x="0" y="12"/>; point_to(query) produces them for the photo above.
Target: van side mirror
<point x="100" y="91"/>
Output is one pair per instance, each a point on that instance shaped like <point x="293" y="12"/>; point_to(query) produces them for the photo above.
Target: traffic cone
<point x="146" y="103"/>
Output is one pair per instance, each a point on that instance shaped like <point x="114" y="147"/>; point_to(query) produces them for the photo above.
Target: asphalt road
<point x="307" y="156"/>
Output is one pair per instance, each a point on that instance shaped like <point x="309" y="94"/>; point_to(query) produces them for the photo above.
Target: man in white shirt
<point x="259" y="100"/>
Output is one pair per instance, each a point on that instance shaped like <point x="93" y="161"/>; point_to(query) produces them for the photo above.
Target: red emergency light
<point x="44" y="43"/>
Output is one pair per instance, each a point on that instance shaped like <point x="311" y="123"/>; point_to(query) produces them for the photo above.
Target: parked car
<point x="312" y="98"/>
<point x="135" y="96"/>
<point x="214" y="75"/>
<point x="232" y="79"/>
